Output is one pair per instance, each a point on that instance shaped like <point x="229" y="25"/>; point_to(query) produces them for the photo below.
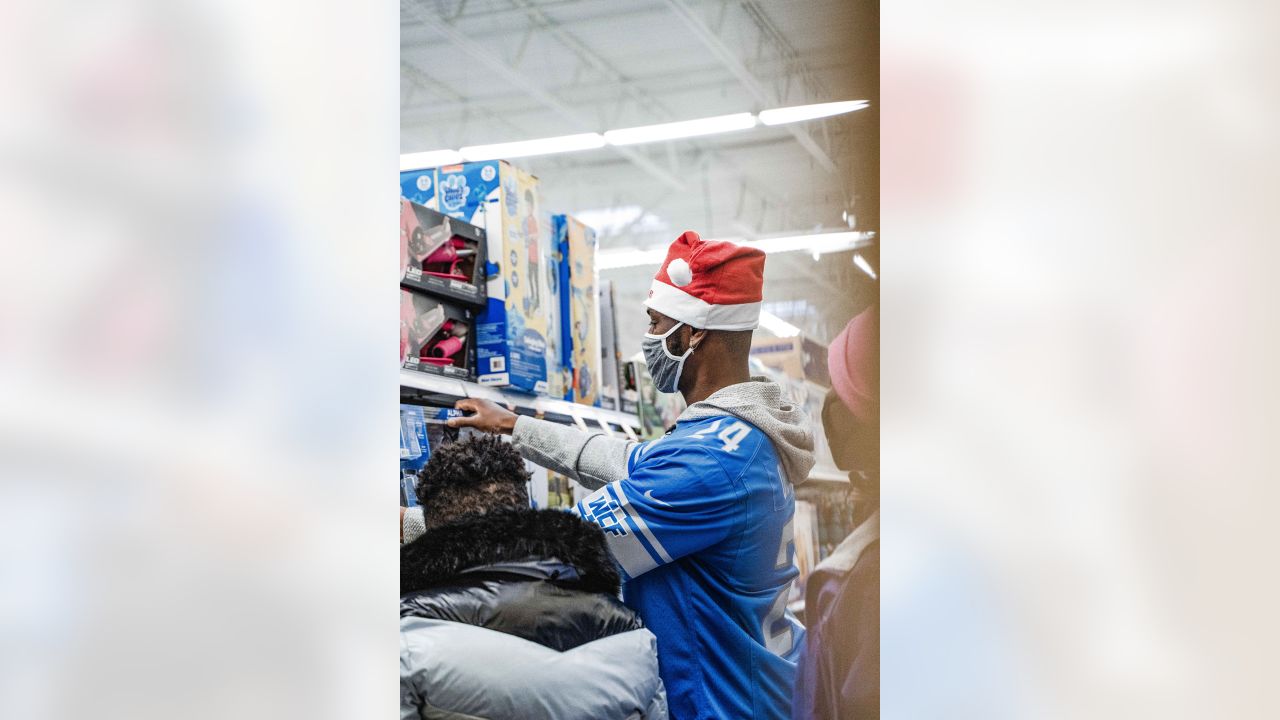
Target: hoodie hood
<point x="760" y="402"/>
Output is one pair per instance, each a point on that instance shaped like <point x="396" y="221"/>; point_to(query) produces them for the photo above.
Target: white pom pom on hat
<point x="679" y="272"/>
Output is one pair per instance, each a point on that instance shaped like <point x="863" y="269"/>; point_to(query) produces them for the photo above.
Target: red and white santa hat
<point x="709" y="284"/>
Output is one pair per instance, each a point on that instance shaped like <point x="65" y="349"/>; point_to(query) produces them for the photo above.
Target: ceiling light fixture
<point x="798" y="113"/>
<point x="777" y="325"/>
<point x="863" y="265"/>
<point x="628" y="136"/>
<point x="429" y="159"/>
<point x="682" y="129"/>
<point x="541" y="146"/>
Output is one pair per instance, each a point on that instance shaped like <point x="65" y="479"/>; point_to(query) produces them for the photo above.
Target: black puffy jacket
<point x="515" y="614"/>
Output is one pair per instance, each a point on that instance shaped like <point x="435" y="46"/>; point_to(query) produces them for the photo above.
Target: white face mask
<point x="664" y="367"/>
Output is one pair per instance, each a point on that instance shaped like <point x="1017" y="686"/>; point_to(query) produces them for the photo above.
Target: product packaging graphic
<point x="512" y="330"/>
<point x="629" y="392"/>
<point x="610" y="380"/>
<point x="414" y="448"/>
<point x="562" y="493"/>
<point x="639" y="396"/>
<point x="554" y="293"/>
<point x="420" y="187"/>
<point x="648" y="410"/>
<point x="415" y="433"/>
<point x="442" y="255"/>
<point x="436" y="336"/>
<point x="579" y="315"/>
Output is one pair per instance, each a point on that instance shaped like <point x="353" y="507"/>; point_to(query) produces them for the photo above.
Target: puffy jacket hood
<point x="761" y="403"/>
<point x="559" y="546"/>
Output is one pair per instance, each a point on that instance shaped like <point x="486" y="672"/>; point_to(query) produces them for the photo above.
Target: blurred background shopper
<point x="840" y="672"/>
<point x="508" y="613"/>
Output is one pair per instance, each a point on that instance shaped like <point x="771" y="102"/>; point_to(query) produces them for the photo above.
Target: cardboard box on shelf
<point x="442" y="255"/>
<point x="805" y="528"/>
<point x="414" y="448"/>
<point x="511" y="332"/>
<point x="559" y="369"/>
<point x="579" y="312"/>
<point x="798" y="357"/>
<point x="436" y="336"/>
<point x="560" y="491"/>
<point x="419" y="186"/>
<point x="647" y="405"/>
<point x="610" y="379"/>
<point x="629" y="392"/>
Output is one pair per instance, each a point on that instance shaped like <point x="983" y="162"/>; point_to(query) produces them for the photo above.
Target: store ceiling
<point x="485" y="71"/>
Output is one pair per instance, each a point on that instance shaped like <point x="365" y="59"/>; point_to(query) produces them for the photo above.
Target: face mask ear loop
<point x="666" y="350"/>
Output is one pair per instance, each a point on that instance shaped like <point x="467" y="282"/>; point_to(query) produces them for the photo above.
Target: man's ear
<point x="697" y="336"/>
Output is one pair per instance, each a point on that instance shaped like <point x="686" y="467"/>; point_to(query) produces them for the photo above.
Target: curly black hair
<point x="471" y="476"/>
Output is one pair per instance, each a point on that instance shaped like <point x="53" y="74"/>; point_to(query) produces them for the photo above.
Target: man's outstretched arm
<point x="592" y="459"/>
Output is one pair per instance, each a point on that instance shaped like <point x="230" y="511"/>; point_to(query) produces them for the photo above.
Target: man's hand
<point x="487" y="417"/>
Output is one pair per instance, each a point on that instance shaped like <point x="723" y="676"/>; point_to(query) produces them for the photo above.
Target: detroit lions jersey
<point x="702" y="530"/>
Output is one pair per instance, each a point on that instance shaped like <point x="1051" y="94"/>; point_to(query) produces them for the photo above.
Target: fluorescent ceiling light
<point x="780" y="116"/>
<point x="862" y="263"/>
<point x="819" y="244"/>
<point x="613" y="259"/>
<point x="429" y="159"/>
<point x="777" y="325"/>
<point x="682" y="129"/>
<point x="541" y="146"/>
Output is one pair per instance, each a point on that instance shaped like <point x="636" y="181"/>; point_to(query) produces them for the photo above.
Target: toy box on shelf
<point x="511" y="332"/>
<point x="421" y="428"/>
<point x="805" y="527"/>
<point x="436" y="336"/>
<point x="562" y="492"/>
<point x="442" y="255"/>
<point x="554" y="291"/>
<point x="798" y="357"/>
<point x="647" y="405"/>
<point x="419" y="186"/>
<point x="414" y="448"/>
<point x="629" y="389"/>
<point x="610" y="380"/>
<point x="579" y="315"/>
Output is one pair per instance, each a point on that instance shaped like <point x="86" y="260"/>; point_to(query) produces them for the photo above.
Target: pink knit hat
<point x="854" y="362"/>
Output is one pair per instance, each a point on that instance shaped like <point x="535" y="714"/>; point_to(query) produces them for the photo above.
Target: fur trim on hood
<point x="505" y="537"/>
<point x="760" y="402"/>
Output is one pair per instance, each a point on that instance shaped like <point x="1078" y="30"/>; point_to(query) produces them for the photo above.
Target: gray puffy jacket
<point x="514" y="615"/>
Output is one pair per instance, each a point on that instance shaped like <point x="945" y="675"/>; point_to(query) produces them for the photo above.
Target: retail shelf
<point x="446" y="391"/>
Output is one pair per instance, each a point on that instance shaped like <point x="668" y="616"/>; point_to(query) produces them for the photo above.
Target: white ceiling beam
<point x="518" y="79"/>
<point x="734" y="64"/>
<point x="491" y="14"/>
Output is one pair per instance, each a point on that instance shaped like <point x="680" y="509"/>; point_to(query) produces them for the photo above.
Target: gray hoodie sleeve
<point x="593" y="459"/>
<point x="414" y="524"/>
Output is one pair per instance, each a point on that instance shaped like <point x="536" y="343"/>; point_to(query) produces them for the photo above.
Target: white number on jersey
<point x="779" y="642"/>
<point x="733" y="435"/>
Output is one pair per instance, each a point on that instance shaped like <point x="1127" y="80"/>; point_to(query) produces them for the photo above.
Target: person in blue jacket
<point x="700" y="519"/>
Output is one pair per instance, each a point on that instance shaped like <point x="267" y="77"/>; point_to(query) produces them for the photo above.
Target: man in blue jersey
<point x="699" y="520"/>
